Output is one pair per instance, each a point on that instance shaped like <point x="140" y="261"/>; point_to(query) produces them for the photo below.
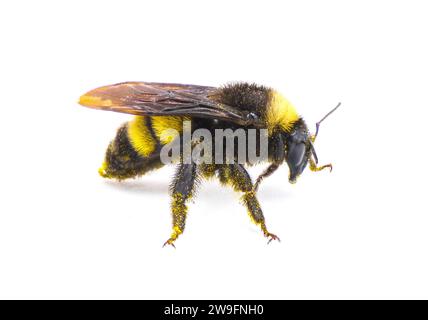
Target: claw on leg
<point x="175" y="233"/>
<point x="269" y="235"/>
<point x="170" y="242"/>
<point x="313" y="166"/>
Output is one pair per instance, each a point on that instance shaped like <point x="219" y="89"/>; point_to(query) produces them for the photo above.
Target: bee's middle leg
<point x="182" y="189"/>
<point x="236" y="176"/>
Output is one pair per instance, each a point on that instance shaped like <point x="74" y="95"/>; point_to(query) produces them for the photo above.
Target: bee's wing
<point x="158" y="99"/>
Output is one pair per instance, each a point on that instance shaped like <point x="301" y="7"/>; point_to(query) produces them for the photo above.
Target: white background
<point x="359" y="232"/>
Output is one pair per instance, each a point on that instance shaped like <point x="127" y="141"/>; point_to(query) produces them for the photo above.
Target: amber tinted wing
<point x="146" y="98"/>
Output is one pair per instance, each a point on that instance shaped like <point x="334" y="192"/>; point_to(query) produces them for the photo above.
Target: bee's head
<point x="294" y="146"/>
<point x="299" y="148"/>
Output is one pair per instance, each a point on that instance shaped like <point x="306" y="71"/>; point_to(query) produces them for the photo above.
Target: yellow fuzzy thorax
<point x="280" y="113"/>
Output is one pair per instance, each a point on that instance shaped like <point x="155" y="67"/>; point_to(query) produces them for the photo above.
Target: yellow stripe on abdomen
<point x="167" y="128"/>
<point x="140" y="136"/>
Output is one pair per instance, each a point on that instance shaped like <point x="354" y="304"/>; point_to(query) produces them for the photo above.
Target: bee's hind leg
<point x="236" y="176"/>
<point x="182" y="189"/>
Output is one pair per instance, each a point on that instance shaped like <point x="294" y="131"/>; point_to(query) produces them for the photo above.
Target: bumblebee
<point x="162" y="106"/>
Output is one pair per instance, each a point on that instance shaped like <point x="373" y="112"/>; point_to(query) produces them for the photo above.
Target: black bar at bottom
<point x="209" y="309"/>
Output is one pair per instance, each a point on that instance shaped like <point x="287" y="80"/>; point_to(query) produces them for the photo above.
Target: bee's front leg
<point x="313" y="166"/>
<point x="236" y="176"/>
<point x="182" y="189"/>
<point x="268" y="172"/>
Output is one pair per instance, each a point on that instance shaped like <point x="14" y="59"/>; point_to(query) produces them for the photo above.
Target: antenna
<point x="319" y="122"/>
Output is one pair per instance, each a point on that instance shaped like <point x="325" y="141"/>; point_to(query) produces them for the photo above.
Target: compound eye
<point x="296" y="153"/>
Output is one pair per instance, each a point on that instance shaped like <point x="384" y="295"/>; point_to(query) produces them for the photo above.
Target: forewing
<point x="145" y="98"/>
